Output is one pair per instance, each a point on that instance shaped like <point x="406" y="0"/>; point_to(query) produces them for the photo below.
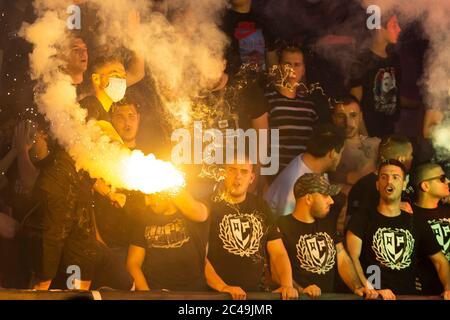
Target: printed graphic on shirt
<point x="251" y="44"/>
<point x="441" y="229"/>
<point x="316" y="252"/>
<point x="385" y="91"/>
<point x="169" y="236"/>
<point x="241" y="234"/>
<point x="393" y="247"/>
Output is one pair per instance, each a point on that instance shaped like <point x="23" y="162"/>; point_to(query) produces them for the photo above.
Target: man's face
<point x="77" y="61"/>
<point x="125" y="120"/>
<point x="436" y="184"/>
<point x="238" y="178"/>
<point x="348" y="117"/>
<point x="390" y="183"/>
<point x="110" y="70"/>
<point x="387" y="84"/>
<point x="335" y="159"/>
<point x="320" y="205"/>
<point x="295" y="61"/>
<point x="159" y="203"/>
<point x="393" y="29"/>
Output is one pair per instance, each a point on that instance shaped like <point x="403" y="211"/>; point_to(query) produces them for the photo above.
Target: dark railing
<point x="165" y="295"/>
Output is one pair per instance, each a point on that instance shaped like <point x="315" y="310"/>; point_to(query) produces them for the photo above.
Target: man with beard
<point x="387" y="237"/>
<point x="431" y="186"/>
<point x="323" y="153"/>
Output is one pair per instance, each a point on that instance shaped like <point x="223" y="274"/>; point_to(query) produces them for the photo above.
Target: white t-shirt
<point x="280" y="195"/>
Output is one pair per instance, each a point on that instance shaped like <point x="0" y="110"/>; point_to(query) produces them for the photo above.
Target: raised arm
<point x="215" y="282"/>
<point x="281" y="268"/>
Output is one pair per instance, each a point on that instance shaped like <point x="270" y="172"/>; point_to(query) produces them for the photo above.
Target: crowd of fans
<point x="358" y="187"/>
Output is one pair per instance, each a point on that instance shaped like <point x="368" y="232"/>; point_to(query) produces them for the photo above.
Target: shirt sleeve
<point x="138" y="235"/>
<point x="273" y="232"/>
<point x="358" y="224"/>
<point x="428" y="244"/>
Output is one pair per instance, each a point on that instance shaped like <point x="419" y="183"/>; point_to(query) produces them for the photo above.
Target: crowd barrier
<point x="165" y="295"/>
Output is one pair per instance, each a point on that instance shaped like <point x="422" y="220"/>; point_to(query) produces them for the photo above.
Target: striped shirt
<point x="294" y="118"/>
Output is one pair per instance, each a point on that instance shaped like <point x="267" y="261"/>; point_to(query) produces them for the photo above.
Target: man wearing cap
<point x="310" y="237"/>
<point x="431" y="185"/>
<point x="386" y="238"/>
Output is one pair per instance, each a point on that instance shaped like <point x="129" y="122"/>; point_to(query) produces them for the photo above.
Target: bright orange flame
<point x="150" y="175"/>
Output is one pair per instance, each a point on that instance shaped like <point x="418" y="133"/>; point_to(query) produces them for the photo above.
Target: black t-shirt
<point x="175" y="250"/>
<point x="437" y="220"/>
<point x="95" y="109"/>
<point x="380" y="80"/>
<point x="249" y="40"/>
<point x="393" y="244"/>
<point x="238" y="239"/>
<point x="312" y="250"/>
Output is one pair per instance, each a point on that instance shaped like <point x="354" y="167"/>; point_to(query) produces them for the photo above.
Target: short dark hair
<point x="101" y="61"/>
<point x="392" y="162"/>
<point x="325" y="138"/>
<point x="392" y="146"/>
<point x="345" y="100"/>
<point x="127" y="100"/>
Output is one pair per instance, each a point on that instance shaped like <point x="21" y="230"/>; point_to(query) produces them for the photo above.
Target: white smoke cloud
<point x="183" y="57"/>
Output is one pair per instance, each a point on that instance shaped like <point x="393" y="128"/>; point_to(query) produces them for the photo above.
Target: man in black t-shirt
<point x="364" y="195"/>
<point x="310" y="237"/>
<point x="250" y="39"/>
<point x="376" y="80"/>
<point x="431" y="186"/>
<point x="241" y="232"/>
<point x="386" y="239"/>
<point x="168" y="247"/>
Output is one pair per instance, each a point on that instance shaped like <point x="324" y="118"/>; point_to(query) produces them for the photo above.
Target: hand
<point x="312" y="291"/>
<point x="387" y="294"/>
<point x="368" y="294"/>
<point x="22" y="136"/>
<point x="287" y="293"/>
<point x="43" y="285"/>
<point x="118" y="199"/>
<point x="236" y="292"/>
<point x="405" y="206"/>
<point x="446" y="295"/>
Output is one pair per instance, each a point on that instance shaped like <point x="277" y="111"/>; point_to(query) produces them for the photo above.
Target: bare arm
<point x="354" y="245"/>
<point x="215" y="282"/>
<point x="135" y="259"/>
<point x="279" y="262"/>
<point x="191" y="208"/>
<point x="442" y="267"/>
<point x="346" y="268"/>
<point x="136" y="68"/>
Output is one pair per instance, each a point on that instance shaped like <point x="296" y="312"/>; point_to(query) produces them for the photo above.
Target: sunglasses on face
<point x="442" y="178"/>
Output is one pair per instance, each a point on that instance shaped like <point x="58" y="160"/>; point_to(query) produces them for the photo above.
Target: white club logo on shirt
<point x="316" y="252"/>
<point x="393" y="247"/>
<point x="441" y="229"/>
<point x="241" y="234"/>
